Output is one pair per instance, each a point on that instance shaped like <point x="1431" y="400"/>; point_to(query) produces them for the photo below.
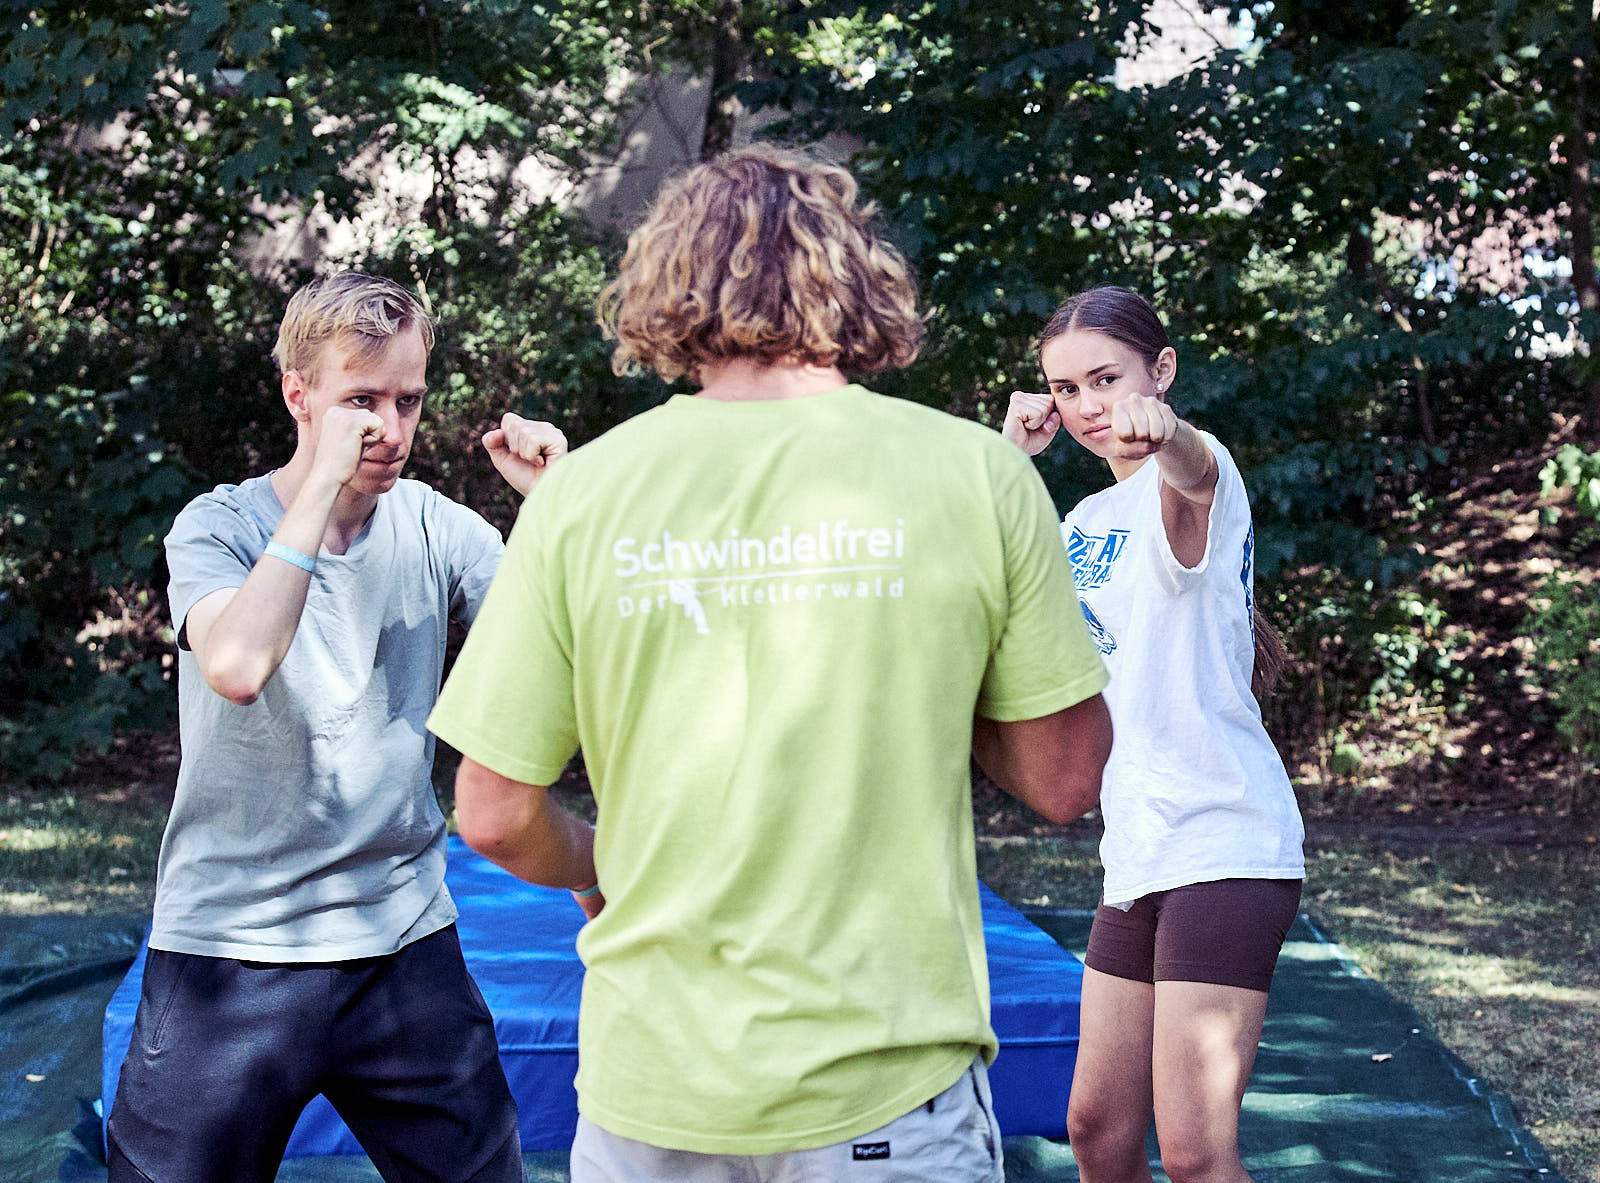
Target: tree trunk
<point x="1358" y="255"/>
<point x="729" y="61"/>
<point x="1430" y="434"/>
<point x="1425" y="427"/>
<point x="1583" y="269"/>
<point x="1584" y="281"/>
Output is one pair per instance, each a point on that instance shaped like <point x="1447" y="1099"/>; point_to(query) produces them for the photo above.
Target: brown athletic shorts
<point x="1227" y="932"/>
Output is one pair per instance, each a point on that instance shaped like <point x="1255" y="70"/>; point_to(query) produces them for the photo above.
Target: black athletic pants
<point x="226" y="1054"/>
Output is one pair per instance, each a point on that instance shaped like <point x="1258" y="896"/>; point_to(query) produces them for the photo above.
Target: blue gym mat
<point x="518" y="943"/>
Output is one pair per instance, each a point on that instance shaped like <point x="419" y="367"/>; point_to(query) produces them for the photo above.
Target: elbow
<point x="1074" y="787"/>
<point x="1071" y="799"/>
<point x="488" y="836"/>
<point x="235" y="686"/>
<point x="490" y="820"/>
<point x="235" y="674"/>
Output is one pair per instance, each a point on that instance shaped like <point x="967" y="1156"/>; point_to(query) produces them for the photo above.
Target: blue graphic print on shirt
<point x="1103" y="640"/>
<point x="1093" y="558"/>
<point x="1246" y="574"/>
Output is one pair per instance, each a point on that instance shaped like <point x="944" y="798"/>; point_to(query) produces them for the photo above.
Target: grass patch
<point x="1498" y="948"/>
<point x="1056" y="872"/>
<point x="94" y="851"/>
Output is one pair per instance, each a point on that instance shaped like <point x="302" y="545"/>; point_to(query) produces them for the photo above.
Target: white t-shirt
<point x="1194" y="790"/>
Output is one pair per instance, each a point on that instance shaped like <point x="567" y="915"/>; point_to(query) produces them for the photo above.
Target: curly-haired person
<point x="777" y="615"/>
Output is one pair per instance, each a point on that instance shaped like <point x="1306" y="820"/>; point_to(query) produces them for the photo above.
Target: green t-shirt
<point x="769" y="625"/>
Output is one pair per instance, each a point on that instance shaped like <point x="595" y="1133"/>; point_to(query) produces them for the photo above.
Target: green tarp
<point x="1349" y="1084"/>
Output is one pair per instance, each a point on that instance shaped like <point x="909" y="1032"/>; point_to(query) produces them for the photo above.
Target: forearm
<point x="1187" y="465"/>
<point x="1052" y="764"/>
<point x="242" y="646"/>
<point x="306" y="519"/>
<point x="522" y="828"/>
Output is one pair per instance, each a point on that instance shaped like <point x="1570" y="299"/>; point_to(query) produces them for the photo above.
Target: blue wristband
<point x="587" y="893"/>
<point x="291" y="556"/>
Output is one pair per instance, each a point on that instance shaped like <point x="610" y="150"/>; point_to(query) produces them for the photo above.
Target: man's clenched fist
<point x="523" y="449"/>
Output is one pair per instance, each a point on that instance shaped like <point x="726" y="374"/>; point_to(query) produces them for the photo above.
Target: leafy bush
<point x="1358" y="649"/>
<point x="1563" y="624"/>
<point x="132" y="351"/>
<point x="1415" y="656"/>
<point x="1564" y="628"/>
<point x="89" y="492"/>
<point x="1573" y="468"/>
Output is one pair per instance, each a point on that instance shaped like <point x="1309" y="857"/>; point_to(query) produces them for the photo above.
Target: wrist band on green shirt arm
<point x="289" y="555"/>
<point x="587" y="892"/>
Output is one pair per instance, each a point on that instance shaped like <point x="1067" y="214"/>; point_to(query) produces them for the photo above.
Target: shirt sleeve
<point x="1226" y="518"/>
<point x="1045" y="660"/>
<point x="474" y="548"/>
<point x="211" y="547"/>
<point x="509" y="702"/>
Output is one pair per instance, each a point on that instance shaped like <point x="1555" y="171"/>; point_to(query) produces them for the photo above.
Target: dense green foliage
<point x="1564" y="627"/>
<point x="1305" y="210"/>
<point x="148" y="152"/>
<point x="1564" y="624"/>
<point x="1573" y="468"/>
<point x="1368" y="230"/>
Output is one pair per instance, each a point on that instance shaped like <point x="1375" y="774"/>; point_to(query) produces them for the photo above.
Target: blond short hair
<point x="764" y="253"/>
<point x="361" y="312"/>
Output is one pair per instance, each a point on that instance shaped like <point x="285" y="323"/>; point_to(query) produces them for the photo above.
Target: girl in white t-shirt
<point x="1202" y="846"/>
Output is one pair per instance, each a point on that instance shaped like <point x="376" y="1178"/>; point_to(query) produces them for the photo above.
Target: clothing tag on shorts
<point x="867" y="1151"/>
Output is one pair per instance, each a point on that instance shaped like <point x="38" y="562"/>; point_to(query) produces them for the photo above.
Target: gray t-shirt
<point x="304" y="826"/>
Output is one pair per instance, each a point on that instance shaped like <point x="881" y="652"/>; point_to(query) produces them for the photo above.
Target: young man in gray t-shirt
<point x="303" y="939"/>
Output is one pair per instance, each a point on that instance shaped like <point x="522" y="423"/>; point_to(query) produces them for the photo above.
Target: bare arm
<point x="1147" y="427"/>
<point x="1188" y="487"/>
<point x="240" y="636"/>
<point x="1052" y="764"/>
<point x="519" y="827"/>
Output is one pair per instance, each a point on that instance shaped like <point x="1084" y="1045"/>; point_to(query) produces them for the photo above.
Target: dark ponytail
<point x="1272" y="657"/>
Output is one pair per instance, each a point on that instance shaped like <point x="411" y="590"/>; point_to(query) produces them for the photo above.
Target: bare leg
<point x="1111" y="1102"/>
<point x="1205" y="1039"/>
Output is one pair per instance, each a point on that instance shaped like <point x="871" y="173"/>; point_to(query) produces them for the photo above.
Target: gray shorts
<point x="951" y="1139"/>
